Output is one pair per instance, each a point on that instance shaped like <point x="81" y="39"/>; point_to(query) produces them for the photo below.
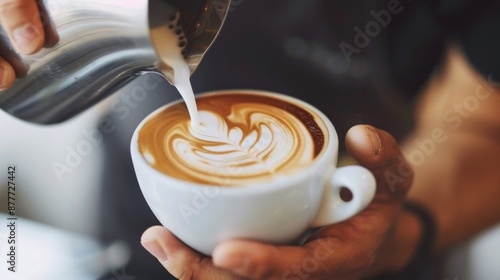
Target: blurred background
<point x="85" y="222"/>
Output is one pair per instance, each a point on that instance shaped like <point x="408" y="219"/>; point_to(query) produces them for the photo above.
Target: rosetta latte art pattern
<point x="241" y="139"/>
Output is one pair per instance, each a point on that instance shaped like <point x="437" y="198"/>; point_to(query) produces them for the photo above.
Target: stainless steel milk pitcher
<point x="103" y="45"/>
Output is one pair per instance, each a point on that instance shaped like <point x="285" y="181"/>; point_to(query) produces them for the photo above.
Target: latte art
<point x="241" y="139"/>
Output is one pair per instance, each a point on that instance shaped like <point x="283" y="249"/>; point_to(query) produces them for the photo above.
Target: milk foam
<point x="257" y="151"/>
<point x="241" y="139"/>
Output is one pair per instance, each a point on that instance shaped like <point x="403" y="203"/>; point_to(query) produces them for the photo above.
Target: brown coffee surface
<point x="242" y="139"/>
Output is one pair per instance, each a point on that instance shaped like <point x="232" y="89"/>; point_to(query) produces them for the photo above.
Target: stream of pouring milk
<point x="168" y="43"/>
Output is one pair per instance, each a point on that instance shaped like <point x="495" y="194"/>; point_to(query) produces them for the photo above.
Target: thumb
<point x="379" y="152"/>
<point x="180" y="260"/>
<point x="21" y="20"/>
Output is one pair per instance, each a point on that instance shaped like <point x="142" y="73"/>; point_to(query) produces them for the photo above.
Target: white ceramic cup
<point x="277" y="212"/>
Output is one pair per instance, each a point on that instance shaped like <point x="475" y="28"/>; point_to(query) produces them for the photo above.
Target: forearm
<point x="457" y="178"/>
<point x="455" y="156"/>
<point x="460" y="187"/>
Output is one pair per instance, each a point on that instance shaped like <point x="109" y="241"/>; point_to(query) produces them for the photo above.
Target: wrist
<point x="409" y="252"/>
<point x="405" y="242"/>
<point x="399" y="247"/>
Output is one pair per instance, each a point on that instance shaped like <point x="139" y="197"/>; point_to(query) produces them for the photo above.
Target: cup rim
<point x="327" y="157"/>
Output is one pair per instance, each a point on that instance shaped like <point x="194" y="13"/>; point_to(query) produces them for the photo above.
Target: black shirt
<point x="416" y="38"/>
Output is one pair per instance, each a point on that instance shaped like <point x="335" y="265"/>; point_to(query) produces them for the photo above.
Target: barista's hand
<point x="381" y="238"/>
<point x="24" y="23"/>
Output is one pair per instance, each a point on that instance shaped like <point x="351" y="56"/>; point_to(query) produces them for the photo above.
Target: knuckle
<point x="365" y="262"/>
<point x="371" y="226"/>
<point x="181" y="272"/>
<point x="324" y="270"/>
<point x="187" y="275"/>
<point x="354" y="231"/>
<point x="258" y="271"/>
<point x="201" y="269"/>
<point x="360" y="262"/>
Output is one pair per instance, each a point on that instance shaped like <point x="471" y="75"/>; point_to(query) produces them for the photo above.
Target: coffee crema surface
<point x="242" y="139"/>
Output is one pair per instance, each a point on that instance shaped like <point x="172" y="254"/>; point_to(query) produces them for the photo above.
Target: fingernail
<point x="4" y="75"/>
<point x="375" y="139"/>
<point x="155" y="249"/>
<point x="26" y="37"/>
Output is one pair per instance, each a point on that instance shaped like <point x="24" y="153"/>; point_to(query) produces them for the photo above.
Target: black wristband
<point x="420" y="266"/>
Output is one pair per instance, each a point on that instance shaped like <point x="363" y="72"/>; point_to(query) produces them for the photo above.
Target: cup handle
<point x="359" y="180"/>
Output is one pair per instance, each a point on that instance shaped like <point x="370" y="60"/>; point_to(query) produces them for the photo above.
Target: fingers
<point x="7" y="74"/>
<point x="49" y="28"/>
<point x="29" y="28"/>
<point x="241" y="259"/>
<point x="378" y="151"/>
<point x="21" y="20"/>
<point x="323" y="258"/>
<point x="180" y="260"/>
<point x="259" y="261"/>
